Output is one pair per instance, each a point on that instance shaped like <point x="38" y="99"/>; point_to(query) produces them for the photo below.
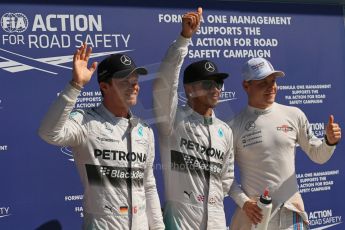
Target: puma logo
<point x="106" y="206"/>
<point x="188" y="194"/>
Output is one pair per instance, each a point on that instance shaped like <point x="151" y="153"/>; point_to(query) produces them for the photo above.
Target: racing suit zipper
<point x="129" y="181"/>
<point x="208" y="122"/>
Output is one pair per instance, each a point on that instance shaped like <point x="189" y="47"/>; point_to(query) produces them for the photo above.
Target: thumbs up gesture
<point x="333" y="131"/>
<point x="191" y="23"/>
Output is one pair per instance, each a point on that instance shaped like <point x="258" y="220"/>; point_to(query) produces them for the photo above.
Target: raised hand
<point x="191" y="23"/>
<point x="81" y="73"/>
<point x="333" y="131"/>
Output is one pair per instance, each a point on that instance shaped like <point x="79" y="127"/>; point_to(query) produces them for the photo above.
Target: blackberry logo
<point x="14" y="22"/>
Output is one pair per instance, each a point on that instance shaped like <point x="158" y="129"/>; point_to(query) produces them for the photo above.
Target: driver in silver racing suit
<point x="196" y="149"/>
<point x="113" y="153"/>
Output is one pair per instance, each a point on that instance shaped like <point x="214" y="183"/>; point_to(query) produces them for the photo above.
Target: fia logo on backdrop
<point x="26" y="33"/>
<point x="14" y="22"/>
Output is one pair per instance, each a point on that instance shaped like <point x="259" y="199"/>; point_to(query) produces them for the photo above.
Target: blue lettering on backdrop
<point x="40" y="185"/>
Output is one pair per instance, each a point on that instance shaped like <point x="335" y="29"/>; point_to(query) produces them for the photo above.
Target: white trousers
<point x="284" y="219"/>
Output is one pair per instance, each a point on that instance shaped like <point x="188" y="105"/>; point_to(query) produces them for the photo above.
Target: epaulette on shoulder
<point x="92" y="112"/>
<point x="145" y="124"/>
<point x="76" y="112"/>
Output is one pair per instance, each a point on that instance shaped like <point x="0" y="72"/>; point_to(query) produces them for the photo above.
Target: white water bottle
<point x="265" y="204"/>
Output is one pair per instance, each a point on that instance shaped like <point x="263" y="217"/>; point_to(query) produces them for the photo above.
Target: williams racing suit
<point x="114" y="158"/>
<point x="265" y="143"/>
<point x="196" y="153"/>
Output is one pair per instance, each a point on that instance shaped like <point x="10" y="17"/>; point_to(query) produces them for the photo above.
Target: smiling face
<point x="128" y="89"/>
<point x="204" y="95"/>
<point x="261" y="93"/>
<point x="121" y="93"/>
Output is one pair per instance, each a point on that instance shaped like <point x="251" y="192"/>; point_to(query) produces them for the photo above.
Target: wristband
<point x="76" y="85"/>
<point x="326" y="140"/>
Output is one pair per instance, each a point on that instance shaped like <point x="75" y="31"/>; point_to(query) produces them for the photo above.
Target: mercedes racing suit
<point x="196" y="153"/>
<point x="114" y="158"/>
<point x="265" y="143"/>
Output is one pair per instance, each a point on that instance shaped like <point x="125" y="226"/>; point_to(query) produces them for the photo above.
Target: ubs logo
<point x="14" y="22"/>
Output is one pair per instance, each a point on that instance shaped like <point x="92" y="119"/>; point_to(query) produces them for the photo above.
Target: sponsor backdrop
<point x="40" y="187"/>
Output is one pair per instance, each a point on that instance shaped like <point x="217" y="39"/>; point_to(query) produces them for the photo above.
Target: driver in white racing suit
<point x="113" y="150"/>
<point x="266" y="135"/>
<point x="195" y="147"/>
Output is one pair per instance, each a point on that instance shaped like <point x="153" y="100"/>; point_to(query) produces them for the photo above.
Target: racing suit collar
<point x="120" y="120"/>
<point x="206" y="120"/>
<point x="258" y="111"/>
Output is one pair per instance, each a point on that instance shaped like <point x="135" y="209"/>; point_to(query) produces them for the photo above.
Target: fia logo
<point x="14" y="22"/>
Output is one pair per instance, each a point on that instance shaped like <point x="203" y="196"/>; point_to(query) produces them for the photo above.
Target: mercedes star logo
<point x="126" y="60"/>
<point x="250" y="125"/>
<point x="209" y="67"/>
